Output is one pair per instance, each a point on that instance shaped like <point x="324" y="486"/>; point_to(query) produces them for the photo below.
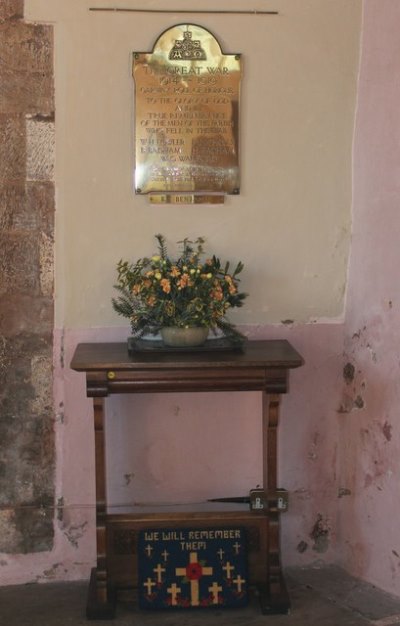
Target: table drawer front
<point x="148" y="381"/>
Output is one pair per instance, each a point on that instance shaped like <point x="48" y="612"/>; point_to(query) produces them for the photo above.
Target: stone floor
<point x="320" y="597"/>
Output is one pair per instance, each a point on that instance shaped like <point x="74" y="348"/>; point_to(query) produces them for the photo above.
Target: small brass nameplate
<point x="187" y="116"/>
<point x="185" y="198"/>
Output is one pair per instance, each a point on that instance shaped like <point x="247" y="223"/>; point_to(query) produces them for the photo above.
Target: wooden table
<point x="262" y="366"/>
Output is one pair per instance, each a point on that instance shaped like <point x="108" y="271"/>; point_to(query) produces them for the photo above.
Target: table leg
<point x="273" y="596"/>
<point x="101" y="597"/>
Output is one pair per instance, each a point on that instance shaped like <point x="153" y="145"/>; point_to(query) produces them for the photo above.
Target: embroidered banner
<point x="192" y="568"/>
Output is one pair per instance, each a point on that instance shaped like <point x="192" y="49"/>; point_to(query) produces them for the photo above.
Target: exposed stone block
<point x="11" y="9"/>
<point x="46" y="254"/>
<point x="12" y="147"/>
<point x="16" y="391"/>
<point x="26" y="68"/>
<point x="25" y="92"/>
<point x="26" y="47"/>
<point x="27" y="207"/>
<point x="10" y="536"/>
<point x="40" y="198"/>
<point x="42" y="382"/>
<point x="37" y="529"/>
<point x="26" y="530"/>
<point x="19" y="264"/>
<point x="19" y="388"/>
<point x="35" y="454"/>
<point x="40" y="150"/>
<point x="4" y="358"/>
<point x="12" y="203"/>
<point x="20" y="313"/>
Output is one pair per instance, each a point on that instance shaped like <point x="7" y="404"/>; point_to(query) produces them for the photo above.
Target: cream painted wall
<point x="291" y="223"/>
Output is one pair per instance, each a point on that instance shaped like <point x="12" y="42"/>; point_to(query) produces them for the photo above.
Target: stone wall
<point x="26" y="282"/>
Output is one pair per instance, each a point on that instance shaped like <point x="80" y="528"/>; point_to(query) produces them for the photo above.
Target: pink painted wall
<point x="369" y="434"/>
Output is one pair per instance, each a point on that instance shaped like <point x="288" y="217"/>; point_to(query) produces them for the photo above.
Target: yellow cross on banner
<point x="159" y="570"/>
<point x="174" y="591"/>
<point x="215" y="589"/>
<point x="194" y="571"/>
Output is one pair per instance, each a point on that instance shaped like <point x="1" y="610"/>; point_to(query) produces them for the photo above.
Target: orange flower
<point x="151" y="300"/>
<point x="175" y="271"/>
<point x="217" y="294"/>
<point x="166" y="285"/>
<point x="136" y="289"/>
<point x="231" y="285"/>
<point x="183" y="281"/>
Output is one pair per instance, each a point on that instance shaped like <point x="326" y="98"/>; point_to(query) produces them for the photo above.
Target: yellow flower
<point x="158" y="275"/>
<point x="156" y="258"/>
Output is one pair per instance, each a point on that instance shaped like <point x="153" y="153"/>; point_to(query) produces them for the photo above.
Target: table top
<point x="276" y="353"/>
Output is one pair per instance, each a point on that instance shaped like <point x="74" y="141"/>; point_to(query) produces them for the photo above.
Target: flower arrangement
<point x="160" y="291"/>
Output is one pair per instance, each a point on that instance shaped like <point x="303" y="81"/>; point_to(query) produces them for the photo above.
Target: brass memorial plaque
<point x="186" y="118"/>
